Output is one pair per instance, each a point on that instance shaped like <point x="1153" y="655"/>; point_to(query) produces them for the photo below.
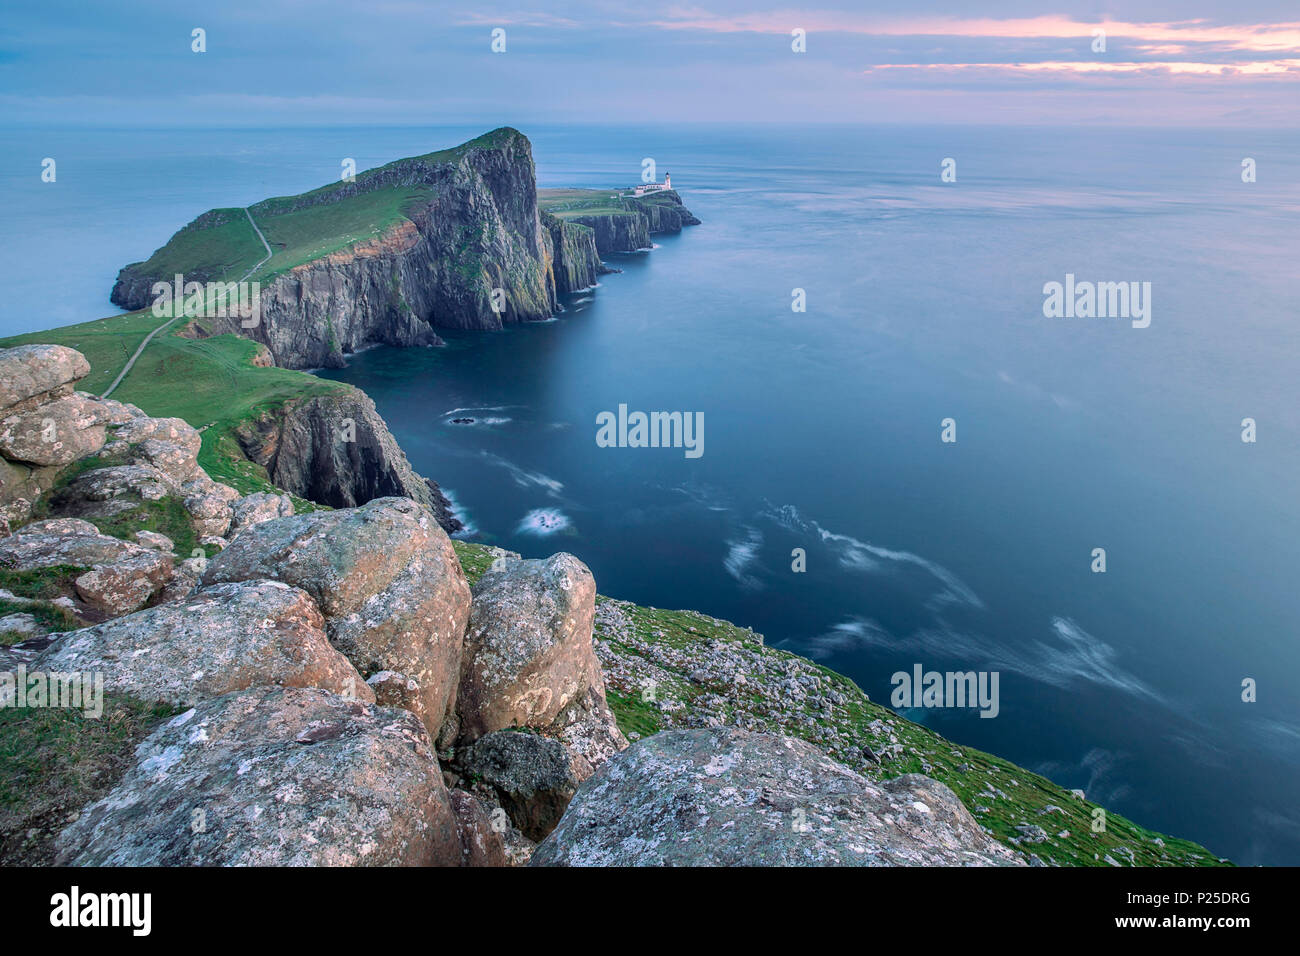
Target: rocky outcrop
<point x="528" y="651"/>
<point x="385" y="577"/>
<point x="725" y="797"/>
<point x="630" y="228"/>
<point x="33" y="375"/>
<point x="471" y="226"/>
<point x="335" y="449"/>
<point x="119" y="576"/>
<point x="274" y="777"/>
<point x="221" y="639"/>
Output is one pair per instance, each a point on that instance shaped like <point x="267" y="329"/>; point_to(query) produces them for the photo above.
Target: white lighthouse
<point x="668" y="180"/>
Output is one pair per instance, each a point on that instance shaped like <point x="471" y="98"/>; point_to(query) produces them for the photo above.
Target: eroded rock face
<point x="725" y="797"/>
<point x="274" y="777"/>
<point x="218" y="640"/>
<point x="532" y="775"/>
<point x="528" y="651"/>
<point x="387" y="580"/>
<point x="35" y="371"/>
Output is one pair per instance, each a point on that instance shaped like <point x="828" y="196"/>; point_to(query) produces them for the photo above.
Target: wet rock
<point x="725" y="797"/>
<point x="274" y="777"/>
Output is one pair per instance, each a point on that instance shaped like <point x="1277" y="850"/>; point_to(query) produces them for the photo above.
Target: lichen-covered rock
<point x="155" y="541"/>
<point x="387" y="580"/>
<point x="725" y="797"/>
<point x="274" y="777"/>
<point x="121" y="578"/>
<point x="209" y="504"/>
<point x="34" y="371"/>
<point x="55" y="433"/>
<point x="258" y="507"/>
<point x="392" y="689"/>
<point x="216" y="641"/>
<point x="528" y="650"/>
<point x="480" y="843"/>
<point x="532" y="776"/>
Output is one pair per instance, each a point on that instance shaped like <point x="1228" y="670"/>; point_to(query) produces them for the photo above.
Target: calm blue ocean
<point x="822" y="428"/>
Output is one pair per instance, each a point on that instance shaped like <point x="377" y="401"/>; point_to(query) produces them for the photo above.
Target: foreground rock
<point x="387" y="580"/>
<point x="274" y="777"/>
<point x="725" y="797"/>
<point x="532" y="775"/>
<point x="222" y="639"/>
<point x="528" y="650"/>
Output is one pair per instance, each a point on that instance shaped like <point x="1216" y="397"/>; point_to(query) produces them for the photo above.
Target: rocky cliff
<point x="335" y="449"/>
<point x="453" y="239"/>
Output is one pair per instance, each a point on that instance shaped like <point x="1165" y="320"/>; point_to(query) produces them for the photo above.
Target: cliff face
<point x="473" y="227"/>
<point x="576" y="258"/>
<point x="336" y="449"/>
<point x="630" y="229"/>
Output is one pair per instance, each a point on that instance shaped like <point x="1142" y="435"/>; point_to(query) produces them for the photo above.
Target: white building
<point x="654" y="187"/>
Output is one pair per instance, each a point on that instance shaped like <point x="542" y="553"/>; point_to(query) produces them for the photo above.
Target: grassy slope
<point x="1010" y="795"/>
<point x="211" y="383"/>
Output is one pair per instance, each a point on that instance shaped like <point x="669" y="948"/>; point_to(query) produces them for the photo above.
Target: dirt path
<point x="148" y="338"/>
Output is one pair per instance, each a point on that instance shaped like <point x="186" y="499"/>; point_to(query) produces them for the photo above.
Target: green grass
<point x="203" y="253"/>
<point x="301" y="235"/>
<point x="50" y="616"/>
<point x="54" y="761"/>
<point x="42" y="583"/>
<point x="210" y="383"/>
<point x="568" y="203"/>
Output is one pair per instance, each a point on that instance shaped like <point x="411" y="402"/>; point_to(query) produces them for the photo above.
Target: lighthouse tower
<point x="668" y="181"/>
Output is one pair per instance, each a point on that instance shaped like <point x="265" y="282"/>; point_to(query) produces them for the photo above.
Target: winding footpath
<point x="148" y="338"/>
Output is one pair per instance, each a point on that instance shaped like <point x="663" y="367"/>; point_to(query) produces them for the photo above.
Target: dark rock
<point x="532" y="776"/>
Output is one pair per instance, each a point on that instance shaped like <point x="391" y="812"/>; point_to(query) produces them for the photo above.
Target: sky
<point x="1190" y="63"/>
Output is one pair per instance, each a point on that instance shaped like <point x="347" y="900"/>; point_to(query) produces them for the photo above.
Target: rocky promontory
<point x="453" y="239"/>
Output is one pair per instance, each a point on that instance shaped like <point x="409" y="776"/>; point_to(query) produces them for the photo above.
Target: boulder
<point x="56" y="433"/>
<point x="215" y="641"/>
<point x="155" y="541"/>
<point x="726" y="797"/>
<point x="274" y="777"/>
<point x="32" y="371"/>
<point x="531" y="775"/>
<point x="209" y="504"/>
<point x="392" y="689"/>
<point x="258" y="507"/>
<point x="528" y="651"/>
<point x="387" y="580"/>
